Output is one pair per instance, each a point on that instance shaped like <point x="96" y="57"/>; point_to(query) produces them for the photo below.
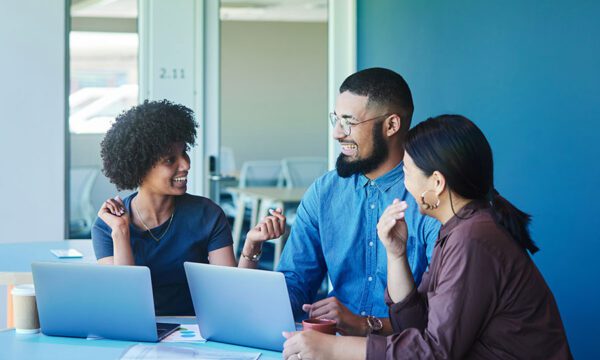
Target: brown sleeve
<point x="458" y="308"/>
<point x="376" y="347"/>
<point x="408" y="313"/>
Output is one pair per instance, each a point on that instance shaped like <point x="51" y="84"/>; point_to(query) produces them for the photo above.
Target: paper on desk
<point x="189" y="333"/>
<point x="168" y="352"/>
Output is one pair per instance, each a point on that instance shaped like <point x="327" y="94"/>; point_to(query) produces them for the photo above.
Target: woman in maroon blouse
<point x="482" y="297"/>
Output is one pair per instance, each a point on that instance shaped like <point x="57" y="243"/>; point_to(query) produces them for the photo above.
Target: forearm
<point x="250" y="249"/>
<point x="349" y="348"/>
<point x="387" y="327"/>
<point x="122" y="253"/>
<point x="400" y="279"/>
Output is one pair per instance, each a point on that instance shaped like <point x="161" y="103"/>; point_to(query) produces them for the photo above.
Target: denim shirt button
<point x="363" y="313"/>
<point x="372" y="206"/>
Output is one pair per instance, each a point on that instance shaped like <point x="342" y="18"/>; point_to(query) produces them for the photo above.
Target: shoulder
<point x="481" y="234"/>
<point x="100" y="230"/>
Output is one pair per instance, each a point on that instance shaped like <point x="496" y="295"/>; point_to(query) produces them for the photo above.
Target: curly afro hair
<point x="141" y="136"/>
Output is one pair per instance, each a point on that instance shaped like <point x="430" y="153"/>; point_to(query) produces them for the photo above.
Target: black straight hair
<point x="456" y="147"/>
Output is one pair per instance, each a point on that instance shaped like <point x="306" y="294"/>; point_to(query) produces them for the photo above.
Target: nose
<point x="338" y="131"/>
<point x="184" y="163"/>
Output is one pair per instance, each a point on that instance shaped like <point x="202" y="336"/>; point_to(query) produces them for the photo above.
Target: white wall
<point x="274" y="89"/>
<point x="32" y="130"/>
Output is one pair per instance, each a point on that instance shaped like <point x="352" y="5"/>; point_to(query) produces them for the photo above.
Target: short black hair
<point x="141" y="136"/>
<point x="385" y="88"/>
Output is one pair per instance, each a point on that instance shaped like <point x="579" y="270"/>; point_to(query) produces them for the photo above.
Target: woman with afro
<point x="160" y="225"/>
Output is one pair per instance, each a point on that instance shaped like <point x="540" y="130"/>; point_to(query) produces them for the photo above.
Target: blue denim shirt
<point x="335" y="234"/>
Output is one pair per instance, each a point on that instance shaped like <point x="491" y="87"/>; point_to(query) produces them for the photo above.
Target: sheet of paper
<point x="170" y="352"/>
<point x="189" y="333"/>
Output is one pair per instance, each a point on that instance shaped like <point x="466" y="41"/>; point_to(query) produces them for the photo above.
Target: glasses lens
<point x="344" y="123"/>
<point x="346" y="126"/>
<point x="332" y="119"/>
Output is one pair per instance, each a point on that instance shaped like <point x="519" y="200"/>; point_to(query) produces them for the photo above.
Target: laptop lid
<point x="240" y="306"/>
<point x="90" y="300"/>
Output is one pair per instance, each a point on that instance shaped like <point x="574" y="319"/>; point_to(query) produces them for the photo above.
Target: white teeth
<point x="349" y="146"/>
<point x="180" y="179"/>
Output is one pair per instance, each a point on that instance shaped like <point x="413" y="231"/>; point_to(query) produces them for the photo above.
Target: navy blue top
<point x="198" y="227"/>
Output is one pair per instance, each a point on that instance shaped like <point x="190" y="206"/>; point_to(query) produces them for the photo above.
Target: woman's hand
<point x="114" y="214"/>
<point x="309" y="344"/>
<point x="392" y="230"/>
<point x="271" y="227"/>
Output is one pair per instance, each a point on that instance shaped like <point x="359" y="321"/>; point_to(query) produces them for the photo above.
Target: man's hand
<point x="309" y="344"/>
<point x="331" y="308"/>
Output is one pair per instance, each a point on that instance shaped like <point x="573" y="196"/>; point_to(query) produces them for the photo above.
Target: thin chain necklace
<point x="150" y="231"/>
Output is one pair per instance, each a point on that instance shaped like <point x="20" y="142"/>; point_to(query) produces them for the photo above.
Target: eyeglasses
<point x="348" y="122"/>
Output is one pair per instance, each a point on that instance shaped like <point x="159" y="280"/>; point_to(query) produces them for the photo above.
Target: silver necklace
<point x="150" y="231"/>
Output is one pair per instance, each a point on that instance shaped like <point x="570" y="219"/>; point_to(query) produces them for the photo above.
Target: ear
<point x="392" y="124"/>
<point x="439" y="182"/>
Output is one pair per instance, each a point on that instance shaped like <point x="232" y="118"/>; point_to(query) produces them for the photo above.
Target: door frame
<point x="341" y="63"/>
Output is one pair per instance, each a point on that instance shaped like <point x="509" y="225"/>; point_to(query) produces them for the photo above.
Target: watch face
<point x="375" y="323"/>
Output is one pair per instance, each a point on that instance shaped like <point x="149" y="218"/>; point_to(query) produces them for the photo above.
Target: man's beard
<point x="346" y="168"/>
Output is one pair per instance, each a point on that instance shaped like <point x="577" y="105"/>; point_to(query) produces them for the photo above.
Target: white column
<point x="342" y="56"/>
<point x="172" y="65"/>
<point x="33" y="99"/>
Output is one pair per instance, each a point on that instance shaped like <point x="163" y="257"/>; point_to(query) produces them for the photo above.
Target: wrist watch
<point x="253" y="258"/>
<point x="374" y="324"/>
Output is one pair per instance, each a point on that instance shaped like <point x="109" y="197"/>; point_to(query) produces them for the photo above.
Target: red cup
<point x="324" y="326"/>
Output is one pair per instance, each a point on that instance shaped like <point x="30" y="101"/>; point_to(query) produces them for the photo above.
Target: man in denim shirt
<point x="335" y="231"/>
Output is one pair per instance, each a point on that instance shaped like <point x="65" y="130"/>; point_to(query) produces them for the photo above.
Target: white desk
<point x="41" y="347"/>
<point x="15" y="266"/>
<point x="16" y="258"/>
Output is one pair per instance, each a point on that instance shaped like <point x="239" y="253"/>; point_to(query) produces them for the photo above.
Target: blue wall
<point x="527" y="72"/>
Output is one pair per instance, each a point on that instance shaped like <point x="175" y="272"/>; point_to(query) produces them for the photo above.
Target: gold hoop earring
<point x="428" y="205"/>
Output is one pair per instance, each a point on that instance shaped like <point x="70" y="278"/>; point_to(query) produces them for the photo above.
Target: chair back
<point x="261" y="173"/>
<point x="81" y="217"/>
<point x="300" y="172"/>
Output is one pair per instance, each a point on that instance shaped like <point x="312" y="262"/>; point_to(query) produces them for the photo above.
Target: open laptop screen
<point x="240" y="306"/>
<point x="89" y="300"/>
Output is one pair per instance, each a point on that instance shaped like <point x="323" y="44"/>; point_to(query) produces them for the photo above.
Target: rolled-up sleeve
<point x="408" y="313"/>
<point x="302" y="262"/>
<point x="376" y="347"/>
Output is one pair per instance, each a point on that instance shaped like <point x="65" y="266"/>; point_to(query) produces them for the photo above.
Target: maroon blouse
<point x="482" y="298"/>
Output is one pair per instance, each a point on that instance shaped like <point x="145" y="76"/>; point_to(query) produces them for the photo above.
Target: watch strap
<point x="253" y="258"/>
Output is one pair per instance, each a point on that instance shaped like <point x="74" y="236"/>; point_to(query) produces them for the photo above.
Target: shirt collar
<point x="385" y="181"/>
<point x="463" y="214"/>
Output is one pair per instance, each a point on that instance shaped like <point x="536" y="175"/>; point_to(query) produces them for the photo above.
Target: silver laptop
<point x="97" y="301"/>
<point x="240" y="306"/>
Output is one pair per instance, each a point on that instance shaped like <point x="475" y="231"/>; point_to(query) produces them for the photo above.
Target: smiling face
<point x="169" y="175"/>
<point x="365" y="148"/>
